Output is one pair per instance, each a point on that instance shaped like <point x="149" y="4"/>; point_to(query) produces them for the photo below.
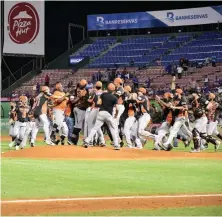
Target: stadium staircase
<point x="103" y="53"/>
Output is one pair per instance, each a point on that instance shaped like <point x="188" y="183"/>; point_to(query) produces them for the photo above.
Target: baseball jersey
<point x="212" y="111"/>
<point x="94" y="96"/>
<point x="41" y="105"/>
<point x="22" y="112"/>
<point x="108" y="102"/>
<point x="178" y="103"/>
<point x="57" y="95"/>
<point x="144" y="106"/>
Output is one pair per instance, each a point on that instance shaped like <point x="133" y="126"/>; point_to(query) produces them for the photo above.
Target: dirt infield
<point x="51" y="207"/>
<point x="97" y="153"/>
<point x="99" y="204"/>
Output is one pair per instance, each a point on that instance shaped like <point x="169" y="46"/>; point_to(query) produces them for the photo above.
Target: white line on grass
<point x="110" y="198"/>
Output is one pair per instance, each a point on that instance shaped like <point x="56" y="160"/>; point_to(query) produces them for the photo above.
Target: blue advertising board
<point x="180" y="17"/>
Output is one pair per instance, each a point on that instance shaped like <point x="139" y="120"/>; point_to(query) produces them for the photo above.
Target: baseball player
<point x="144" y="120"/>
<point x="22" y="110"/>
<point x="168" y="119"/>
<point x="129" y="114"/>
<point x="81" y="104"/>
<point x="211" y="114"/>
<point x="40" y="109"/>
<point x="12" y="119"/>
<point x="31" y="130"/>
<point x="60" y="100"/>
<point x="92" y="112"/>
<point x="69" y="118"/>
<point x="107" y="102"/>
<point x="180" y="108"/>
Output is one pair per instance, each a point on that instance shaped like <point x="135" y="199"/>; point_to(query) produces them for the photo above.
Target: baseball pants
<point x="43" y="120"/>
<point x="30" y="129"/>
<point x="90" y="120"/>
<point x="19" y="131"/>
<point x="70" y="125"/>
<point x="134" y="135"/>
<point x="127" y="129"/>
<point x="11" y="130"/>
<point x="104" y="117"/>
<point x="179" y="123"/>
<point x="143" y="122"/>
<point x="163" y="130"/>
<point x="212" y="129"/>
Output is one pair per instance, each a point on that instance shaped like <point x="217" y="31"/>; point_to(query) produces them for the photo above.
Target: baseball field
<point x="69" y="180"/>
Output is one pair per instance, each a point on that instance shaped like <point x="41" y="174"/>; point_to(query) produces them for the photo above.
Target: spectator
<point x="99" y="76"/>
<point x="158" y="61"/>
<point x="207" y="61"/>
<point x="135" y="83"/>
<point x="168" y="69"/>
<point x="179" y="72"/>
<point x="89" y="85"/>
<point x="38" y="88"/>
<point x="174" y="69"/>
<point x="213" y="61"/>
<point x="70" y="84"/>
<point x="94" y="79"/>
<point x="206" y="81"/>
<point x="193" y="84"/>
<point x="147" y="83"/>
<point x="47" y="79"/>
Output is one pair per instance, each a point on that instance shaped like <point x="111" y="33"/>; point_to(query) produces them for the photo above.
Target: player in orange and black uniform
<point x="60" y="100"/>
<point x="12" y="119"/>
<point x="22" y="110"/>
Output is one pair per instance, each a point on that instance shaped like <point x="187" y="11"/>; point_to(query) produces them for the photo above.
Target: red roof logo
<point x="23" y="23"/>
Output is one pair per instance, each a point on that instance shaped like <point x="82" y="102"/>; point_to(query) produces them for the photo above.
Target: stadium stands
<point x="143" y="50"/>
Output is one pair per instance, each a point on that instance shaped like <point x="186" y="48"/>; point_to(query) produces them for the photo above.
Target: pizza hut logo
<point x="23" y="23"/>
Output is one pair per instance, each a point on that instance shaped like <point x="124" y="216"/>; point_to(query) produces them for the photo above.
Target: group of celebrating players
<point x="123" y="113"/>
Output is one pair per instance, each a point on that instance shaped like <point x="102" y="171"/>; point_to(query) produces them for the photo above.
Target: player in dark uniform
<point x="81" y="104"/>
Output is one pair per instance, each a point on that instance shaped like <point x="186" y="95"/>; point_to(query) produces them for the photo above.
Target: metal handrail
<point x="18" y="70"/>
<point x="62" y="54"/>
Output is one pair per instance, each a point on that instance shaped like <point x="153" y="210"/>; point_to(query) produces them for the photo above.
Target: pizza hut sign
<point x="23" y="23"/>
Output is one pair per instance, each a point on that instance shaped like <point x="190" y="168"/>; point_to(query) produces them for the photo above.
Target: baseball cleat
<point x="102" y="145"/>
<point x="17" y="147"/>
<point x="121" y="144"/>
<point x="32" y="145"/>
<point x="138" y="147"/>
<point x="216" y="147"/>
<point x="195" y="151"/>
<point x="70" y="142"/>
<point x="11" y="144"/>
<point x="116" y="148"/>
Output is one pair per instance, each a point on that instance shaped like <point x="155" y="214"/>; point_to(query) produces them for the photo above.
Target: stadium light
<point x="149" y="32"/>
<point x="179" y="30"/>
<point x="108" y="34"/>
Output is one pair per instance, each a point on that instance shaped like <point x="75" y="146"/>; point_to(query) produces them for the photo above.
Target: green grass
<point x="188" y="211"/>
<point x="24" y="178"/>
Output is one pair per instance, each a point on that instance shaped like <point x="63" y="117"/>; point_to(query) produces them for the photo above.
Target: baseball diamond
<point x="126" y="122"/>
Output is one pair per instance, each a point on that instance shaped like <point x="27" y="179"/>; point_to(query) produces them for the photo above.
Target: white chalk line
<point x="110" y="198"/>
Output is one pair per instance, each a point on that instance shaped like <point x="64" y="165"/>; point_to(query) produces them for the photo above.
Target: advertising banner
<point x="24" y="27"/>
<point x="150" y="19"/>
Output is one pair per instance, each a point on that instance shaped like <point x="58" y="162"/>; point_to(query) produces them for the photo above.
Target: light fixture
<point x="179" y="30"/>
